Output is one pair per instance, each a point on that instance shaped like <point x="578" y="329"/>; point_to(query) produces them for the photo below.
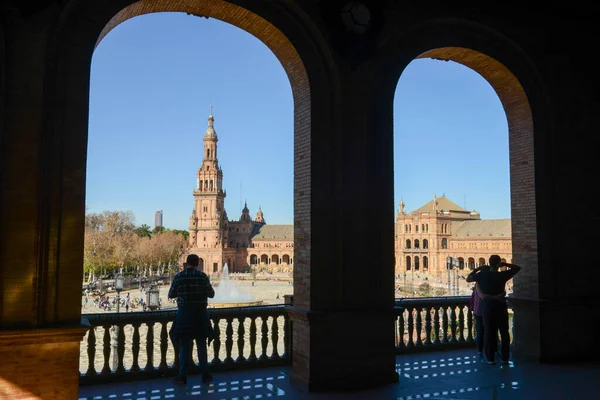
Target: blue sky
<point x="154" y="77"/>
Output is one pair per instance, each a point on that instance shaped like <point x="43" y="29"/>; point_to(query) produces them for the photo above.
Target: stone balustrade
<point x="136" y="345"/>
<point x="435" y="323"/>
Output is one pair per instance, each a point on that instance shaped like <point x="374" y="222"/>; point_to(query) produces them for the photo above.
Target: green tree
<point x="158" y="229"/>
<point x="143" y="231"/>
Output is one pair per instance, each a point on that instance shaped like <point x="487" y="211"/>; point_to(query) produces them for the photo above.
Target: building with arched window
<point x="243" y="244"/>
<point x="445" y="229"/>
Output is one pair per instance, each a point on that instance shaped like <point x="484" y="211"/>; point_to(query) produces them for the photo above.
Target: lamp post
<point x="455" y="277"/>
<point x="118" y="288"/>
<point x="152" y="297"/>
<point x="448" y="268"/>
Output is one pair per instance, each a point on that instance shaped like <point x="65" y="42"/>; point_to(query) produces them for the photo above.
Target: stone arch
<point x="521" y="91"/>
<point x="253" y="259"/>
<point x="280" y="26"/>
<point x="285" y="259"/>
<point x="275" y="259"/>
<point x="264" y="259"/>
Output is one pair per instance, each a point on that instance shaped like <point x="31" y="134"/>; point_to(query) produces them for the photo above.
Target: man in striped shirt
<point x="192" y="289"/>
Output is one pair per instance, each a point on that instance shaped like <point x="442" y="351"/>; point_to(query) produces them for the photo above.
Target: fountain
<point x="228" y="295"/>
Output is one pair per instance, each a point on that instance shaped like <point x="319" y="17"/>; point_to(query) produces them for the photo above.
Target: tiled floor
<point x="443" y="375"/>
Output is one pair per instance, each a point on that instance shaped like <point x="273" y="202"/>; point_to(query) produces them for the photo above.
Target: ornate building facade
<point x="243" y="244"/>
<point x="426" y="237"/>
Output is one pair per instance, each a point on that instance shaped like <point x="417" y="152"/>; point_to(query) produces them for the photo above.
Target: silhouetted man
<point x="192" y="289"/>
<point x="491" y="288"/>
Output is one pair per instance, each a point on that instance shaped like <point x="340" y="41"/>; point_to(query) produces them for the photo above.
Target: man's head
<point x="192" y="261"/>
<point x="495" y="262"/>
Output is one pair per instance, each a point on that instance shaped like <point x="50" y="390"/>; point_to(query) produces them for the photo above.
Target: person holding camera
<point x="491" y="288"/>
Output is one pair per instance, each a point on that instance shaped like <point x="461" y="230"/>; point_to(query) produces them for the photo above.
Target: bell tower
<point x="207" y="224"/>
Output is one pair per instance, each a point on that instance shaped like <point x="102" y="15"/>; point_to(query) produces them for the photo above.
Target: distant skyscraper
<point x="158" y="218"/>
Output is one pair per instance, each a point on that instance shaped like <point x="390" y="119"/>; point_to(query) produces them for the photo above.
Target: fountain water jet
<point x="227" y="294"/>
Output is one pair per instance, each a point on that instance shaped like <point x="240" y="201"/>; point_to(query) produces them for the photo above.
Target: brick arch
<point x="297" y="45"/>
<point x="521" y="92"/>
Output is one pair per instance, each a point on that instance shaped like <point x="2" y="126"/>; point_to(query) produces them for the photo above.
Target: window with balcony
<point x="425" y="244"/>
<point x="408" y="243"/>
<point x="417" y="243"/>
<point x="444" y="243"/>
<point x="416" y="263"/>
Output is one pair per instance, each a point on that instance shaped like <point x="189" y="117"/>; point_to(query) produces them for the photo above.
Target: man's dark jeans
<point x="480" y="332"/>
<point x="495" y="318"/>
<point x="185" y="355"/>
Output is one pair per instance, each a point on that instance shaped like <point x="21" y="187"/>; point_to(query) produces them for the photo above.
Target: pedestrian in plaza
<point x="192" y="289"/>
<point x="491" y="288"/>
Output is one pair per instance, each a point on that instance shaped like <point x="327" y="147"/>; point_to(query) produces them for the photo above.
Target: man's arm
<point x="512" y="269"/>
<point x="471" y="277"/>
<point x="173" y="289"/>
<point x="210" y="291"/>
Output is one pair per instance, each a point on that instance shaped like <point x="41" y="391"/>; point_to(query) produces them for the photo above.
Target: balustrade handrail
<point x="432" y="301"/>
<point x="99" y="319"/>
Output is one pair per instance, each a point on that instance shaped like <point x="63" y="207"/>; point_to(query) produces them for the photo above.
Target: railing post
<point x="401" y="328"/>
<point x="106" y="351"/>
<point x="135" y="347"/>
<point x="91" y="352"/>
<point x="120" y="348"/>
<point x="264" y="338"/>
<point x="410" y="327"/>
<point x="275" y="337"/>
<point x="427" y="326"/>
<point x="436" y="325"/>
<point x="419" y="341"/>
<point x="444" y="324"/>
<point x="461" y="324"/>
<point x="228" y="341"/>
<point x="252" y="356"/>
<point x="453" y="324"/>
<point x="164" y="345"/>
<point x="240" y="341"/>
<point x="149" y="347"/>
<point x="469" y="325"/>
<point x="216" y="343"/>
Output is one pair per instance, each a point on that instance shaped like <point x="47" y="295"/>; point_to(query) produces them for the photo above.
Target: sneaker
<point x="179" y="380"/>
<point x="206" y="378"/>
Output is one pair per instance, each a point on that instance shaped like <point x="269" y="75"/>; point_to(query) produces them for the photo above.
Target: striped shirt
<point x="191" y="286"/>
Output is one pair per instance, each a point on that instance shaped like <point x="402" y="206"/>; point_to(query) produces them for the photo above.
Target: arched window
<point x="481" y="261"/>
<point x="405" y="228"/>
<point x="417" y="243"/>
<point x="427" y="228"/>
<point x="425" y="263"/>
<point x="408" y="243"/>
<point x="471" y="263"/>
<point x="422" y="227"/>
<point x="425" y="244"/>
<point x="416" y="263"/>
<point x="408" y="263"/>
<point x="444" y="243"/>
<point x="461" y="263"/>
<point x="416" y="228"/>
<point x="253" y="259"/>
<point x="210" y="185"/>
<point x="207" y="153"/>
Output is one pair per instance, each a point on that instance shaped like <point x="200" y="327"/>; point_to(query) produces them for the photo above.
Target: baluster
<point x="106" y="351"/>
<point x="252" y="356"/>
<point x="275" y="337"/>
<point x="427" y="326"/>
<point x="401" y="327"/>
<point x="135" y="347"/>
<point x="410" y="328"/>
<point x="287" y="338"/>
<point x="91" y="352"/>
<point x="469" y="326"/>
<point x="164" y="345"/>
<point x="461" y="324"/>
<point x="121" y="349"/>
<point x="240" y="341"/>
<point x="228" y="341"/>
<point x="445" y="325"/>
<point x="436" y="325"/>
<point x="149" y="347"/>
<point x="176" y="351"/>
<point x="453" y="324"/>
<point x="216" y="343"/>
<point x="419" y="342"/>
<point x="264" y="339"/>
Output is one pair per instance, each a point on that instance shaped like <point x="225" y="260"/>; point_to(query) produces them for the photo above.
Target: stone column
<point x="342" y="317"/>
<point x="39" y="303"/>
